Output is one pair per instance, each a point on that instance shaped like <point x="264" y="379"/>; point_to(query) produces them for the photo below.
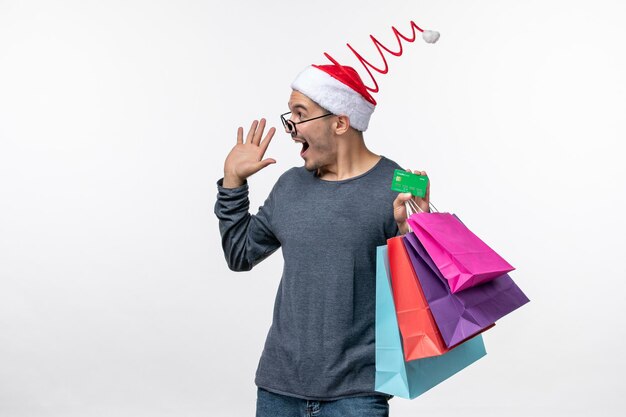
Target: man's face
<point x="318" y="143"/>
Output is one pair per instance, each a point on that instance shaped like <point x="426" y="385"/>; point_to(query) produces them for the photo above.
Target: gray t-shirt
<point x="321" y="342"/>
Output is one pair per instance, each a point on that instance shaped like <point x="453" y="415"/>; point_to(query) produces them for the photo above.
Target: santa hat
<point x="340" y="90"/>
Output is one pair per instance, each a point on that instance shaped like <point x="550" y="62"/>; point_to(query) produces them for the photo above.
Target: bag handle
<point x="414" y="208"/>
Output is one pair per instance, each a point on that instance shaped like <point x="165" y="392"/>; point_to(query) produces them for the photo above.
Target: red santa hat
<point x="340" y="90"/>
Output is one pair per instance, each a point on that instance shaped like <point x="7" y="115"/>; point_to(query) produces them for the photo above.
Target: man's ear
<point x="342" y="125"/>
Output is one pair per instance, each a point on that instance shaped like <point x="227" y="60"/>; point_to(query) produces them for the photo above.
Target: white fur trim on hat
<point x="334" y="96"/>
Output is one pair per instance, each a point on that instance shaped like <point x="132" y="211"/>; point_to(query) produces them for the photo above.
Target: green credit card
<point x="407" y="182"/>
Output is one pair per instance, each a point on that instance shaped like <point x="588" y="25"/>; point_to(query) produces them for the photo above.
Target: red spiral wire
<point x="367" y="65"/>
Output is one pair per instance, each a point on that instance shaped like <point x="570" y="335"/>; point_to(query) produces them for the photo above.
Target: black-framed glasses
<point x="290" y="126"/>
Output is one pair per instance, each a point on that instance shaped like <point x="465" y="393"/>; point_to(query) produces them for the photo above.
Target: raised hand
<point x="399" y="208"/>
<point x="246" y="159"/>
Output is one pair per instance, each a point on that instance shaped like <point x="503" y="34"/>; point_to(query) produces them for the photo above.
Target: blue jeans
<point x="269" y="404"/>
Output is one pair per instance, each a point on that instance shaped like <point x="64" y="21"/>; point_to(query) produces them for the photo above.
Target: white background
<point x="116" y="116"/>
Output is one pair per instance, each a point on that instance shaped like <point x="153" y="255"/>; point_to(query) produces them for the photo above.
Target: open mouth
<point x="305" y="146"/>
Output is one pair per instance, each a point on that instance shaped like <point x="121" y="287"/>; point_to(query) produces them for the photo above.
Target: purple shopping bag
<point x="462" y="314"/>
<point x="463" y="259"/>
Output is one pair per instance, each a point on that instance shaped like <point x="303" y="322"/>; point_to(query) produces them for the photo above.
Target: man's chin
<point x="309" y="166"/>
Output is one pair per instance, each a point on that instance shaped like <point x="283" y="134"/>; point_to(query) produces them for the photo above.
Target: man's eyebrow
<point x="298" y="106"/>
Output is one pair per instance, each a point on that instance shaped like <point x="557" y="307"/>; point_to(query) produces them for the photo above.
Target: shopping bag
<point x="395" y="376"/>
<point x="420" y="335"/>
<point x="463" y="259"/>
<point x="463" y="314"/>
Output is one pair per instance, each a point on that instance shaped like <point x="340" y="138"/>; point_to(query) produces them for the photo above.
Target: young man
<point x="328" y="216"/>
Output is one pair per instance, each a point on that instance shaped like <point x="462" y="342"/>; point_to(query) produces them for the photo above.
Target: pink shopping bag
<point x="462" y="258"/>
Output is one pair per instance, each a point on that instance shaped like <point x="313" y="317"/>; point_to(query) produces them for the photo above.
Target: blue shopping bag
<point x="410" y="379"/>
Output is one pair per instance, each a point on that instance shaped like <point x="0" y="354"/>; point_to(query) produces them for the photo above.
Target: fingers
<point x="266" y="142"/>
<point x="399" y="211"/>
<point x="266" y="162"/>
<point x="240" y="135"/>
<point x="251" y="131"/>
<point x="418" y="172"/>
<point x="401" y="199"/>
<point x="256" y="133"/>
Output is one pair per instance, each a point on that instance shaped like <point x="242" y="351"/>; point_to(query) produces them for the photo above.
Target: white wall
<point x="116" y="116"/>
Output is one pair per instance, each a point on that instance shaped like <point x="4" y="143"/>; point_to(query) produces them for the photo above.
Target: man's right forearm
<point x="246" y="239"/>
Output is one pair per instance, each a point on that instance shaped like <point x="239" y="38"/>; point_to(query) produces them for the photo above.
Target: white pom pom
<point x="430" y="36"/>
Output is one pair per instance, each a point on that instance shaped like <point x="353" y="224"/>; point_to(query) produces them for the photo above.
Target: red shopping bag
<point x="420" y="336"/>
